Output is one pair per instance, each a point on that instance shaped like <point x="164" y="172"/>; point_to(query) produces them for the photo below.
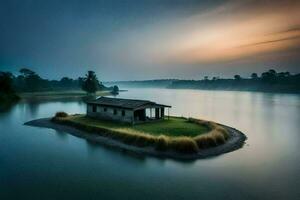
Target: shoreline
<point x="235" y="141"/>
<point x="58" y="95"/>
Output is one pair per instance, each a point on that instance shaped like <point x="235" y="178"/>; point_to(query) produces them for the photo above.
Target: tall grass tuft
<point x="215" y="137"/>
<point x="183" y="145"/>
<point x="161" y="143"/>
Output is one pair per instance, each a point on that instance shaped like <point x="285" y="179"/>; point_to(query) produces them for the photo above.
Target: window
<point x="94" y="107"/>
<point x="104" y="109"/>
<point x="123" y="112"/>
<point x="115" y="111"/>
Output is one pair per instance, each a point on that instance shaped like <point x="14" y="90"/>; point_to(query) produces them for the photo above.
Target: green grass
<point x="177" y="134"/>
<point x="97" y="123"/>
<point x="175" y="126"/>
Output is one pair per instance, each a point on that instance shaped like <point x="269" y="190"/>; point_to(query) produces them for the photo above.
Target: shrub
<point x="183" y="145"/>
<point x="219" y="139"/>
<point x="211" y="142"/>
<point x="201" y="142"/>
<point x="143" y="140"/>
<point x="61" y="114"/>
<point x="218" y="135"/>
<point x="162" y="143"/>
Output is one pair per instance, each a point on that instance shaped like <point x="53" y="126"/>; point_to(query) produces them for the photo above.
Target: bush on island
<point x="162" y="143"/>
<point x="184" y="145"/>
<point x="61" y="114"/>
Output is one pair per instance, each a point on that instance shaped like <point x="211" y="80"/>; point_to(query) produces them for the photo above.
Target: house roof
<point x="125" y="103"/>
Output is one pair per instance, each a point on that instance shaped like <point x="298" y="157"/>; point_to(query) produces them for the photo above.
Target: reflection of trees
<point x="8" y="97"/>
<point x="5" y="107"/>
<point x="33" y="108"/>
<point x="237" y="99"/>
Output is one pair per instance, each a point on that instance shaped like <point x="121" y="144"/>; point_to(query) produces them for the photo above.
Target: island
<point x="143" y="127"/>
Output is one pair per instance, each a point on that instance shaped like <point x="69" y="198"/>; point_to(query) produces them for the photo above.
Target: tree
<point x="7" y="92"/>
<point x="32" y="81"/>
<point x="80" y="81"/>
<point x="254" y="76"/>
<point x="115" y="90"/>
<point x="269" y="76"/>
<point x="287" y="74"/>
<point x="90" y="83"/>
<point x="237" y="77"/>
<point x="283" y="74"/>
<point x="6" y="79"/>
<point x="27" y="72"/>
<point x="66" y="82"/>
<point x="273" y="72"/>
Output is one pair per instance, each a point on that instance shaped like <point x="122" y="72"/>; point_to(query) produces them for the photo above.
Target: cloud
<point x="231" y="31"/>
<point x="148" y="39"/>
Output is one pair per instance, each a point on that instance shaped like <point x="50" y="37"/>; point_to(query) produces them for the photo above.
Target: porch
<point x="151" y="114"/>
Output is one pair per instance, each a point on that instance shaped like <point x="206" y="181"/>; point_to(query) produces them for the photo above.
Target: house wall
<point x="109" y="113"/>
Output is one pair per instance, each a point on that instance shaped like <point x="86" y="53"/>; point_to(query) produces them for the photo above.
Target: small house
<point x="126" y="110"/>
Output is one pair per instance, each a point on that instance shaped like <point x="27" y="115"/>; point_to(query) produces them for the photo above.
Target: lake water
<point x="39" y="163"/>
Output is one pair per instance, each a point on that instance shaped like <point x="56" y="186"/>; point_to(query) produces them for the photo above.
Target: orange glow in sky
<point x="230" y="32"/>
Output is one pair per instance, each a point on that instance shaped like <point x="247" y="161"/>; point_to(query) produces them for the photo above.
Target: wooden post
<point x="144" y="115"/>
<point x="157" y="113"/>
<point x="132" y="118"/>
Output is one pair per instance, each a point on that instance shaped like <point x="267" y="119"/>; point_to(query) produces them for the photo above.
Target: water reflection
<point x="39" y="162"/>
<point x="61" y="135"/>
<point x="94" y="148"/>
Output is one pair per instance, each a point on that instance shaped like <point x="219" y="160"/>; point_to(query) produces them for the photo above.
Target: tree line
<point x="269" y="81"/>
<point x="7" y="92"/>
<point x="29" y="81"/>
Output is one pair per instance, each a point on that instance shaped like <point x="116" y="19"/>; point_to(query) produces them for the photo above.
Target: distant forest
<point x="29" y="81"/>
<point x="269" y="81"/>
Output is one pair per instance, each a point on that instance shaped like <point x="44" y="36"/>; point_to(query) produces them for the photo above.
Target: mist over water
<point x="39" y="163"/>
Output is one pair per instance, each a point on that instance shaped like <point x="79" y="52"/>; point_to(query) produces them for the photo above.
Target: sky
<point x="149" y="39"/>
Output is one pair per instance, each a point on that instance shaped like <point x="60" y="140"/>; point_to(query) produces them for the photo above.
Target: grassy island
<point x="177" y="134"/>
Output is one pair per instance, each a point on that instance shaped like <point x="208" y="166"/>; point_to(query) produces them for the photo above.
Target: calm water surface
<point x="38" y="163"/>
